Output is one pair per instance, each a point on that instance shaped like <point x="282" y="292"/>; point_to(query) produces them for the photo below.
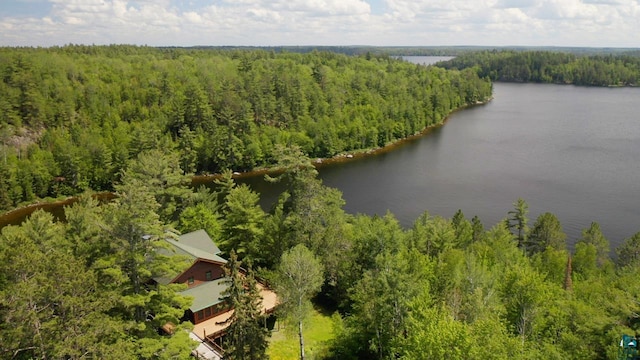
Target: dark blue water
<point x="572" y="151"/>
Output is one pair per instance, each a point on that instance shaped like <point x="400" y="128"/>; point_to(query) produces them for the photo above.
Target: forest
<point x="71" y="117"/>
<point x="140" y="121"/>
<point x="613" y="69"/>
<point x="426" y="50"/>
<point x="441" y="289"/>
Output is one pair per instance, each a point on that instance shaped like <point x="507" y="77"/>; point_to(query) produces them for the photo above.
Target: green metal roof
<point x="199" y="239"/>
<point x="194" y="253"/>
<point x="206" y="294"/>
<point x="198" y="245"/>
<point x="194" y="245"/>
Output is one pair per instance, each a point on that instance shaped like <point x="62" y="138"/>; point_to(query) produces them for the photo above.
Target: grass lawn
<point x="284" y="344"/>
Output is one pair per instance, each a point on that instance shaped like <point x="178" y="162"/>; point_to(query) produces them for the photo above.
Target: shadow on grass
<point x="318" y="333"/>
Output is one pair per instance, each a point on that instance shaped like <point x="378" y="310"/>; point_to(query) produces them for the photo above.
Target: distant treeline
<point x="71" y="117"/>
<point x="362" y="50"/>
<point x="427" y="50"/>
<point x="552" y="67"/>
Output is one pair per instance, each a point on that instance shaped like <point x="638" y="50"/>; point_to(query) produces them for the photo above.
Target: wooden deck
<point x="269" y="299"/>
<point x="212" y="327"/>
<point x="216" y="326"/>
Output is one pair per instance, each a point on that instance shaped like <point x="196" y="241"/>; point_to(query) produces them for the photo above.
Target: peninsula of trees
<point x="71" y="117"/>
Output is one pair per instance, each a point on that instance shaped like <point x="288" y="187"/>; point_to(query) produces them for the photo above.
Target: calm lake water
<point x="572" y="151"/>
<point x="426" y="60"/>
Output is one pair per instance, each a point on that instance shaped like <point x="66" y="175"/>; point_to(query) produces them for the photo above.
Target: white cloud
<point x="329" y="22"/>
<point x="322" y="7"/>
<point x="518" y="4"/>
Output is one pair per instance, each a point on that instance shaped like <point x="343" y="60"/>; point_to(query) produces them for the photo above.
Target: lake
<point x="572" y="151"/>
<point x="426" y="60"/>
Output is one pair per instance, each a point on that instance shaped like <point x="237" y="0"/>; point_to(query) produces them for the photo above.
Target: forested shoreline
<point x="140" y="121"/>
<point x="72" y="116"/>
<point x="618" y="69"/>
<point x="441" y="289"/>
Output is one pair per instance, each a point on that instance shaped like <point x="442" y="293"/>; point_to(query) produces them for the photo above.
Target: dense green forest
<point x="427" y="50"/>
<point x="552" y="67"/>
<point x="71" y="117"/>
<point x="442" y="289"/>
<point x="139" y="121"/>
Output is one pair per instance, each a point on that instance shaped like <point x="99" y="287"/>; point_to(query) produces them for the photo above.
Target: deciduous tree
<point x="299" y="278"/>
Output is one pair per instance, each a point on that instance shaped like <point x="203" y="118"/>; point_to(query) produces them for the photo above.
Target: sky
<point x="582" y="23"/>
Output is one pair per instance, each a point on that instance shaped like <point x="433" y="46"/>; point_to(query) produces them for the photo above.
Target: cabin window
<point x="207" y="312"/>
<point x="207" y="275"/>
<point x="191" y="280"/>
<point x="200" y="314"/>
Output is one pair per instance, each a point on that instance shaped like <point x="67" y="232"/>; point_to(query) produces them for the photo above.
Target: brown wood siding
<point x="208" y="313"/>
<point x="199" y="273"/>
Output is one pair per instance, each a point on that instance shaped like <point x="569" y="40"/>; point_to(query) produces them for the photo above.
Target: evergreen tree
<point x="199" y="216"/>
<point x="225" y="183"/>
<point x="52" y="305"/>
<point x="629" y="251"/>
<point x="433" y="236"/>
<point x="5" y="184"/>
<point x="593" y="235"/>
<point x="84" y="229"/>
<point x="313" y="212"/>
<point x="517" y="221"/>
<point x="134" y="260"/>
<point x="246" y="335"/>
<point x="161" y="174"/>
<point x="546" y="232"/>
<point x="478" y="229"/>
<point x="242" y="228"/>
<point x="463" y="228"/>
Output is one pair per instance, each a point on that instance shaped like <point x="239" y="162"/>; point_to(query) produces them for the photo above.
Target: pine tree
<point x="546" y="232"/>
<point x="593" y="235"/>
<point x="164" y="179"/>
<point x="134" y="259"/>
<point x="518" y="220"/>
<point x="246" y="335"/>
<point x="52" y="305"/>
<point x="463" y="229"/>
<point x="242" y="227"/>
<point x="478" y="229"/>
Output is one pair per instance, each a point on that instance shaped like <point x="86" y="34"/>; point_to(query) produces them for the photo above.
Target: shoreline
<point x="341" y="157"/>
<point x="17" y="215"/>
<point x="11" y="217"/>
